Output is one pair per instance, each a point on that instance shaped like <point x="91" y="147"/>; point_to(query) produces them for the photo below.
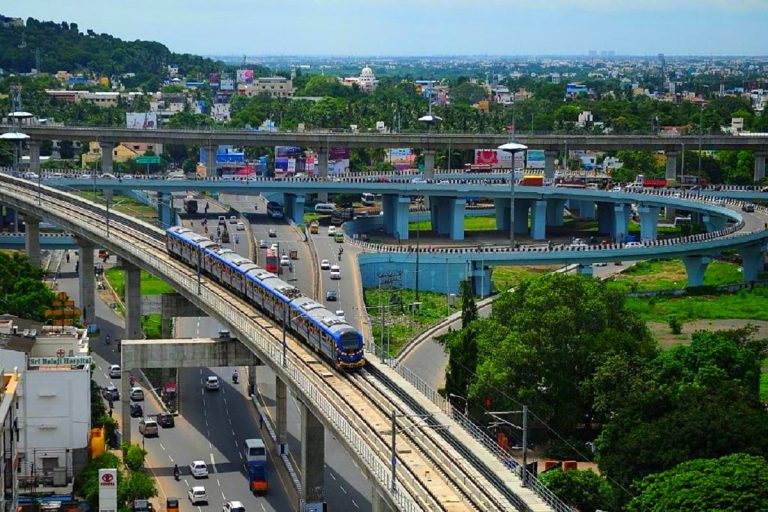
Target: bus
<point x="368" y="199"/>
<point x="275" y="210"/>
<point x="272" y="261"/>
<point x="254" y="450"/>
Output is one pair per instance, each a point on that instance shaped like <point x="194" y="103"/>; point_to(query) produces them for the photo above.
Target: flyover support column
<point x="549" y="164"/>
<point x="12" y="217"/>
<point x="760" y="165"/>
<point x="34" y="156"/>
<point x="32" y="240"/>
<point x="132" y="301"/>
<point x="402" y="206"/>
<point x="165" y="209"/>
<point x="481" y="278"/>
<point x="696" y="266"/>
<point x="388" y="212"/>
<point x="210" y="160"/>
<point x="125" y="405"/>
<point x="605" y="218"/>
<point x="441" y="222"/>
<point x="586" y="210"/>
<point x="522" y="209"/>
<point x="322" y="171"/>
<point x="555" y="210"/>
<point x="86" y="281"/>
<point x="295" y="207"/>
<point x="671" y="173"/>
<point x="649" y="221"/>
<point x="429" y="164"/>
<point x="752" y="262"/>
<point x="456" y="208"/>
<point x="106" y="156"/>
<point x="502" y="213"/>
<point x="622" y="214"/>
<point x="713" y="222"/>
<point x="539" y="220"/>
<point x="281" y="413"/>
<point x="312" y="457"/>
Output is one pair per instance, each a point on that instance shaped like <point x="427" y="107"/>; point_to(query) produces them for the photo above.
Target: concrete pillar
<point x="696" y="266"/>
<point x="672" y="164"/>
<point x="760" y="165"/>
<point x="12" y="217"/>
<point x="322" y="170"/>
<point x="32" y="240"/>
<point x="210" y="161"/>
<point x="34" y="156"/>
<point x="312" y="457"/>
<point x="281" y="416"/>
<point x="456" y="217"/>
<point x="294" y="206"/>
<point x="132" y="301"/>
<point x="388" y="212"/>
<point x="166" y="328"/>
<point x="429" y="164"/>
<point x="125" y="404"/>
<point x="585" y="269"/>
<point x="713" y="222"/>
<point x="252" y="380"/>
<point x="622" y="213"/>
<point x="752" y="262"/>
<point x="539" y="220"/>
<point x="586" y="210"/>
<point x="439" y="208"/>
<point x="502" y="213"/>
<point x="605" y="218"/>
<point x="649" y="221"/>
<point x="549" y="164"/>
<point x="86" y="280"/>
<point x="166" y="215"/>
<point x="481" y="278"/>
<point x="669" y="213"/>
<point x="555" y="212"/>
<point x="522" y="208"/>
<point x="2" y="217"/>
<point x="401" y="211"/>
<point x="106" y="156"/>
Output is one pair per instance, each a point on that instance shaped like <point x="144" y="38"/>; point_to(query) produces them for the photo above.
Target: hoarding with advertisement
<point x="288" y="152"/>
<point x="214" y="79"/>
<point x="338" y="154"/>
<point x="535" y="159"/>
<point x="245" y="76"/>
<point x="141" y="120"/>
<point x="227" y="84"/>
<point x="108" y="490"/>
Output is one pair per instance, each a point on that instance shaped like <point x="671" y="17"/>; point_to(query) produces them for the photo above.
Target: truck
<point x="341" y="215"/>
<point x="257" y="476"/>
<point x="190" y="205"/>
<point x="642" y="181"/>
<point x="532" y="181"/>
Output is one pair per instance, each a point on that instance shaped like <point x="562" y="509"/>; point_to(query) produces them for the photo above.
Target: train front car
<point x="350" y="347"/>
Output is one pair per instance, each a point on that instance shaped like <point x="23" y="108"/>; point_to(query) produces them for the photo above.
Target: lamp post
<point x="497" y="415"/>
<point x="418" y="239"/>
<point x="466" y="402"/>
<point x="512" y="148"/>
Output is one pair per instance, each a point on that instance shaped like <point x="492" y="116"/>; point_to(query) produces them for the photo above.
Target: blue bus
<point x="275" y="210"/>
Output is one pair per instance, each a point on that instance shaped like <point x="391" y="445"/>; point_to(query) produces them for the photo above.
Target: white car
<point x="114" y="371"/>
<point x="263" y="244"/>
<point x="325" y="265"/>
<point x="108" y="176"/>
<point x="240" y="226"/>
<point x="233" y="219"/>
<point x="197" y="495"/>
<point x="340" y="314"/>
<point x="212" y="383"/>
<point x="331" y="230"/>
<point x="198" y="469"/>
<point x="632" y="245"/>
<point x="233" y="506"/>
<point x="285" y="261"/>
<point x="335" y="272"/>
<point x="137" y="394"/>
<point x="30" y="176"/>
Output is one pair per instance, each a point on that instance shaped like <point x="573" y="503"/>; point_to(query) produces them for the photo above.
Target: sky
<point x="422" y="27"/>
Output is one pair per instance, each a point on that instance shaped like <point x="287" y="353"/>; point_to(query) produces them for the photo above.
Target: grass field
<point x="402" y="325"/>
<point x="150" y="324"/>
<point x="764" y="382"/>
<point x="150" y="285"/>
<point x="124" y="204"/>
<point x="504" y="278"/>
<point x="668" y="274"/>
<point x="470" y="224"/>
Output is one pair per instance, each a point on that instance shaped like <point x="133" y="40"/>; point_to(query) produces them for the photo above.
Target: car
<point x="110" y="393"/>
<point x="272" y="233"/>
<point x="331" y="230"/>
<point x="85" y="176"/>
<point x="233" y="219"/>
<point x="340" y="314"/>
<point x="632" y="245"/>
<point x="30" y="176"/>
<point x="108" y="176"/>
<point x="198" y="469"/>
<point x="331" y="296"/>
<point x="600" y="264"/>
<point x="136" y="411"/>
<point x="197" y="494"/>
<point x="233" y="506"/>
<point x="418" y="180"/>
<point x="721" y="203"/>
<point x="114" y="371"/>
<point x="325" y="265"/>
<point x="212" y="383"/>
<point x="127" y="176"/>
<point x="222" y="220"/>
<point x="240" y="226"/>
<point x="166" y="420"/>
<point x="748" y="207"/>
<point x="137" y="394"/>
<point x="285" y="261"/>
<point x="335" y="272"/>
<point x="148" y="427"/>
<point x="262" y="244"/>
<point x="273" y="247"/>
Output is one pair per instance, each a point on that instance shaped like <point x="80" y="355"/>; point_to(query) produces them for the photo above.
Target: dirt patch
<point x="661" y="331"/>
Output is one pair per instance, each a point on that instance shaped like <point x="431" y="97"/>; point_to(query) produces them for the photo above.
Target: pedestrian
<point x="110" y="409"/>
<point x="77" y="267"/>
<point x="67" y="256"/>
<point x="261" y="420"/>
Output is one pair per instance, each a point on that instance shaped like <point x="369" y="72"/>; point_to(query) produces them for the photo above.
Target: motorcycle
<point x="234" y="378"/>
<point x="107" y="339"/>
<point x="176" y="473"/>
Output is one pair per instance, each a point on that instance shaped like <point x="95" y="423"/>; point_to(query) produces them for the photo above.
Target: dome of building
<point x="366" y="72"/>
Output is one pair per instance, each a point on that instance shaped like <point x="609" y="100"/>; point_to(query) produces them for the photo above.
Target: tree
<point x="22" y="292"/>
<point x="468" y="304"/>
<point x="134" y="456"/>
<point x="468" y="92"/>
<point x="732" y="483"/>
<point x="585" y="490"/>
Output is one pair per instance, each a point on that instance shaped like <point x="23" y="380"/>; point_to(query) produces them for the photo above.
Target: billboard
<point x="108" y="490"/>
<point x="535" y="159"/>
<point x="498" y="159"/>
<point x="338" y="154"/>
<point x="227" y="84"/>
<point x="141" y="120"/>
<point x="214" y="79"/>
<point x="244" y="76"/>
<point x="289" y="151"/>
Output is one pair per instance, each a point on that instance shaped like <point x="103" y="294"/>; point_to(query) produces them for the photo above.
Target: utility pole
<point x="497" y="415"/>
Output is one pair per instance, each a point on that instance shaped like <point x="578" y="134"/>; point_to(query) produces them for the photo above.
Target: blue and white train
<point x="320" y="328"/>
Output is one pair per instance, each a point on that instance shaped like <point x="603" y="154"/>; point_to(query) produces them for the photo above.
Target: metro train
<point x="318" y="327"/>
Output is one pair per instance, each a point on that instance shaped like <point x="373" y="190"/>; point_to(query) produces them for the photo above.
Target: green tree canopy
<point x="585" y="490"/>
<point x="22" y="291"/>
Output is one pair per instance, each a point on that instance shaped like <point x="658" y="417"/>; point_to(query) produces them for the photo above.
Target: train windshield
<point x="351" y="341"/>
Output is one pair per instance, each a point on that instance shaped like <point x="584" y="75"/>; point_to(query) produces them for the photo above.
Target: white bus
<point x="254" y="450"/>
<point x="368" y="199"/>
<point x="325" y="207"/>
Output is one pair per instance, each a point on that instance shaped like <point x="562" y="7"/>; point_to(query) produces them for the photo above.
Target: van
<point x="368" y="199"/>
<point x="325" y="207"/>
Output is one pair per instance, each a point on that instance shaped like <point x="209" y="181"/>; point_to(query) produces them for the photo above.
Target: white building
<point x="54" y="414"/>
<point x="366" y="81"/>
<point x="9" y="435"/>
<point x="220" y="112"/>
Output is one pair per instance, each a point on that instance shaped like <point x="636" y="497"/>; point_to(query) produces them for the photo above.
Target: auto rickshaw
<point x="172" y="504"/>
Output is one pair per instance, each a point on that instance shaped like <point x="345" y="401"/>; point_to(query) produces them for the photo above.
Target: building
<point x="121" y="153"/>
<point x="366" y="81"/>
<point x="101" y="99"/>
<point x="53" y="416"/>
<point x="275" y="86"/>
<point x="9" y="438"/>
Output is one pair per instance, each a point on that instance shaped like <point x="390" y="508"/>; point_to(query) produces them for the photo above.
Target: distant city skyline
<point x="423" y="27"/>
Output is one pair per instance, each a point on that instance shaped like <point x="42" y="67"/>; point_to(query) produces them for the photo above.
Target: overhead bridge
<point x="437" y="469"/>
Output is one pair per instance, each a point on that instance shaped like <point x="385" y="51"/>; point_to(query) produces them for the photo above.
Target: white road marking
<point x="262" y="507"/>
<point x="161" y="446"/>
<point x="223" y="497"/>
<point x="343" y="489"/>
<point x="355" y="504"/>
<point x="213" y="464"/>
<point x="106" y="377"/>
<point x="210" y="447"/>
<point x="233" y="433"/>
<point x="332" y="476"/>
<point x="218" y="482"/>
<point x="185" y="481"/>
<point x="240" y="454"/>
<point x="171" y="459"/>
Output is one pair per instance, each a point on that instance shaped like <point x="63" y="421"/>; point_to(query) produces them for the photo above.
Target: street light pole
<point x="512" y="148"/>
<point x="466" y="402"/>
<point x="497" y="416"/>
